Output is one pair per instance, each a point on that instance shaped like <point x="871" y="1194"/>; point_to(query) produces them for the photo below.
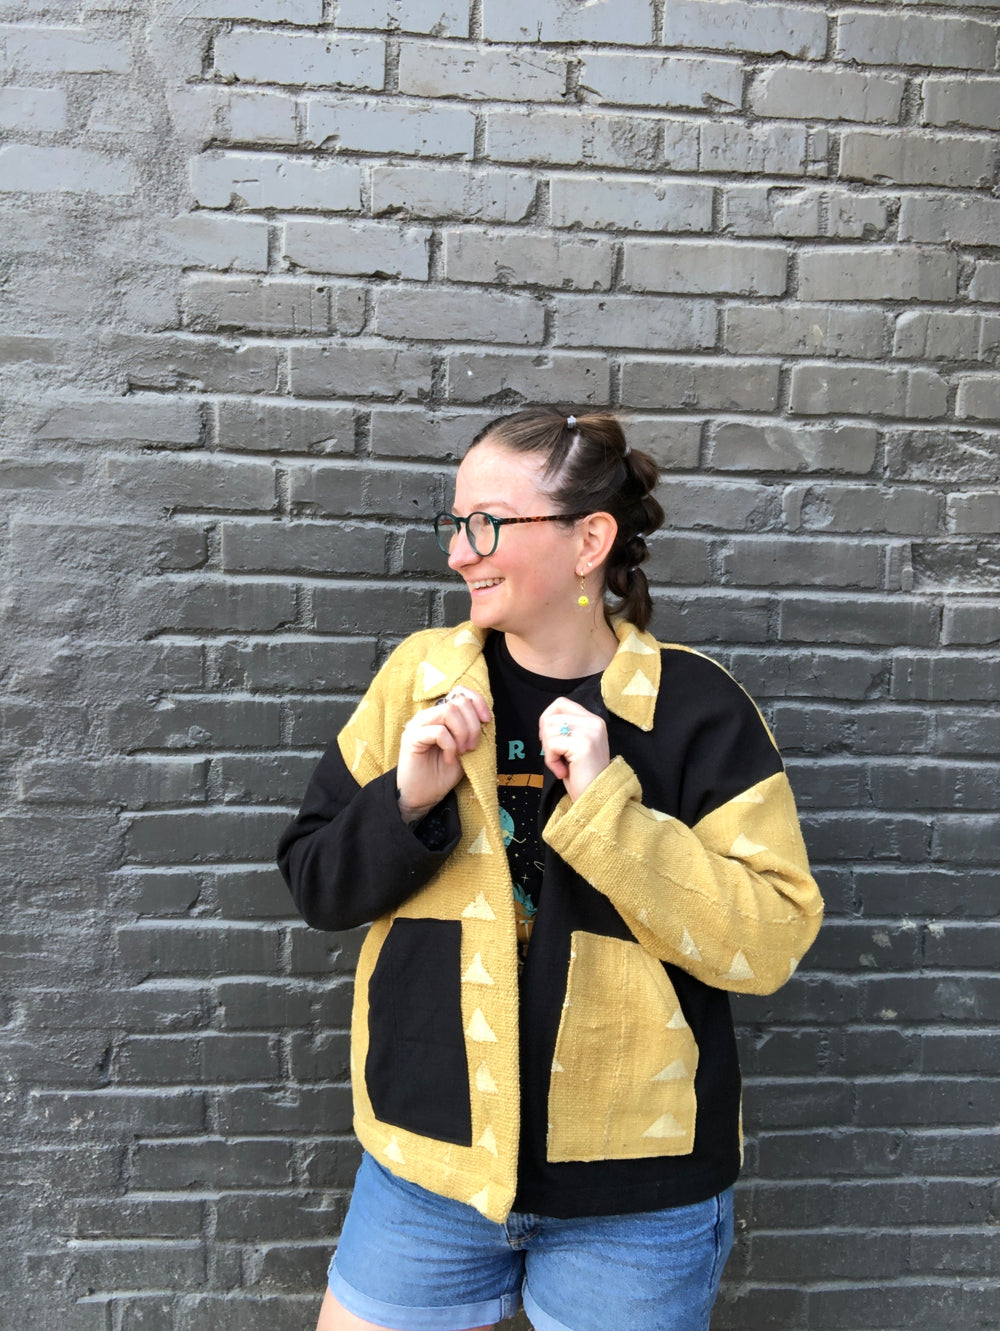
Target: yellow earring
<point x="583" y="600"/>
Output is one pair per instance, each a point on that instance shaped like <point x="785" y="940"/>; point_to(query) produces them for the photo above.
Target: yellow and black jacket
<point x="607" y="1080"/>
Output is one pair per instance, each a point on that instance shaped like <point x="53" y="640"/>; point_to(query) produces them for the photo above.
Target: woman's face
<point x="529" y="583"/>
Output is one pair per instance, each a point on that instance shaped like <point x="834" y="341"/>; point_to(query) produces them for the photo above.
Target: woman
<point x="572" y="842"/>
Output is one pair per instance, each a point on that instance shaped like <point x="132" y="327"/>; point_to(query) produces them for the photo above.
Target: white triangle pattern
<point x="430" y="676"/>
<point x="677" y="1022"/>
<point x="485" y="1082"/>
<point x="744" y="846"/>
<point x="688" y="947"/>
<point x="394" y="1152"/>
<point x="740" y="969"/>
<point x="665" y="1126"/>
<point x="476" y="972"/>
<point x="481" y="1200"/>
<point x="633" y="643"/>
<point x="488" y="1141"/>
<point x="479" y="1030"/>
<point x="674" y="1071"/>
<point x="639" y="687"/>
<point x="481" y="845"/>
<point x="479" y="909"/>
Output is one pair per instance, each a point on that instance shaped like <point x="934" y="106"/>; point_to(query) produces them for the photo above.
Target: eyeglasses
<point x="483" y="529"/>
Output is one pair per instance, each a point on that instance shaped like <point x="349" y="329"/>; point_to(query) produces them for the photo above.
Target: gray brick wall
<point x="267" y="264"/>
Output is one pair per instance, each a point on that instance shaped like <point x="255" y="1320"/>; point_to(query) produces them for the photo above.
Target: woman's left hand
<point x="574" y="744"/>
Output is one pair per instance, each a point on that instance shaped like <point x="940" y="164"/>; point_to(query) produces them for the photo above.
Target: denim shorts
<point x="414" y="1261"/>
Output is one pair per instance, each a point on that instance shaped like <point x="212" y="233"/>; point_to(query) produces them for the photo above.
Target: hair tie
<point x="571" y="422"/>
<point x="628" y="450"/>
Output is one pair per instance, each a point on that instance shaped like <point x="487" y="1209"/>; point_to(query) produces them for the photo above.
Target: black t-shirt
<point x="519" y="698"/>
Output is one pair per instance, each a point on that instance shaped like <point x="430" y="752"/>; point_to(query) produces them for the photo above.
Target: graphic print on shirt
<point x="518" y="794"/>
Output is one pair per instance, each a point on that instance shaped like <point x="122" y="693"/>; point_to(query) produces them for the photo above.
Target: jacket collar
<point x="629" y="686"/>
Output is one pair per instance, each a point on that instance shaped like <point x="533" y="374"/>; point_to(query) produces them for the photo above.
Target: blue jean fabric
<point x="414" y="1261"/>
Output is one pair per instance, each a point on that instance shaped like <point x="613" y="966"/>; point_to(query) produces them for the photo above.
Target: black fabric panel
<point x="416" y="1072"/>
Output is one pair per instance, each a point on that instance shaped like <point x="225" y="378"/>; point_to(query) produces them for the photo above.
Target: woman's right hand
<point x="431" y="745"/>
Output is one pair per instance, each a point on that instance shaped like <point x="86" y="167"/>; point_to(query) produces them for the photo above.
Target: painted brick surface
<point x="269" y="264"/>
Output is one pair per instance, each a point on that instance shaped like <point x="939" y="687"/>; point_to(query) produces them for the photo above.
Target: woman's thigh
<point x="644" y="1271"/>
<point x="333" y="1317"/>
<point x="414" y="1261"/>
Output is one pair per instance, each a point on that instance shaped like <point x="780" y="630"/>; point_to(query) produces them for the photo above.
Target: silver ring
<point x="565" y="728"/>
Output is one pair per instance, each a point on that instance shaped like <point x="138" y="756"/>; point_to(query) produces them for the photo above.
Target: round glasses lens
<point x="482" y="534"/>
<point x="445" y="529"/>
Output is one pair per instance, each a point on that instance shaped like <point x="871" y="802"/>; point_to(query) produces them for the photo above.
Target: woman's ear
<point x="598" y="536"/>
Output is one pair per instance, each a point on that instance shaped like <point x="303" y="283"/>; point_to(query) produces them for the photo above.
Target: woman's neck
<point x="572" y="656"/>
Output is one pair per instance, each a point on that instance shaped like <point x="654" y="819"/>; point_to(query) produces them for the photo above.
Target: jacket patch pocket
<point x="416" y="1072"/>
<point x="622" y="1083"/>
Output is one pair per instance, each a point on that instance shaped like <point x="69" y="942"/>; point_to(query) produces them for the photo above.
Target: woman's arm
<point x="731" y="899"/>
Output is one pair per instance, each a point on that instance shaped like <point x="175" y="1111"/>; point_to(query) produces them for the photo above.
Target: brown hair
<point x="589" y="468"/>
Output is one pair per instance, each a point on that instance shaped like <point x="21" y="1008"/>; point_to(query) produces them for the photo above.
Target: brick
<point x="438" y="314"/>
<point x="323" y="1109"/>
<point x="303" y="547"/>
<point x="567" y="137"/>
<point x="950" y="786"/>
<point x="268" y="11"/>
<point x="209" y="1059"/>
<point x="792" y="330"/>
<point x="356" y="125"/>
<point x="28" y="347"/>
<point x="302" y="59"/>
<point x="156" y="1006"/>
<point x="123" y="1218"/>
<point x="466" y="193"/>
<point x="904" y="158"/>
<point x="517" y="258"/>
<point x="135" y="419"/>
<point x="322" y="1057"/>
<point x="204" y="241"/>
<point x="700" y="268"/>
<point x="63" y="50"/>
<point x="316" y="721"/>
<point x="251" y="894"/>
<point x="863" y="621"/>
<point x="947" y="677"/>
<point x="782" y="210"/>
<point x="950" y="456"/>
<point x="777" y="561"/>
<point x="663" y="323"/>
<point x="360" y="369"/>
<point x="151" y="1113"/>
<point x="179" y="361"/>
<point x="51" y="170"/>
<point x="875" y="273"/>
<point x="186" y="483"/>
<point x="968" y="731"/>
<point x="946" y="335"/>
<point x="251" y="1217"/>
<point x="868" y="390"/>
<point x="965" y="839"/>
<point x="433" y="69"/>
<point x="915" y="39"/>
<point x="267" y="180"/>
<point x="208" y="1164"/>
<point x="773" y="446"/>
<point x="950" y="100"/>
<point x="629" y="23"/>
<point x="212" y="305"/>
<point x="408" y="432"/>
<point x="672" y="442"/>
<point x="757" y="149"/>
<point x="829" y="94"/>
<point x="611" y="203"/>
<point x="260" y="779"/>
<point x="958" y="565"/>
<point x="37" y="110"/>
<point x="767" y="29"/>
<point x="324" y="490"/>
<point x="442" y="18"/>
<point x="358" y="248"/>
<point x="269" y="427"/>
<point x="814" y="675"/>
<point x="978" y="397"/>
<point x="634" y="79"/>
<point x="190" y="946"/>
<point x="168" y="893"/>
<point x="985" y="284"/>
<point x="130" y="785"/>
<point x="190" y="723"/>
<point x="855" y="508"/>
<point x="712" y="617"/>
<point x="957" y="220"/>
<point x="974" y="511"/>
<point x="97" y="548"/>
<point x="214" y="605"/>
<point x="714" y="504"/>
<point x="297" y="665"/>
<point x="262" y="1004"/>
<point x="679" y="560"/>
<point x="706" y="385"/>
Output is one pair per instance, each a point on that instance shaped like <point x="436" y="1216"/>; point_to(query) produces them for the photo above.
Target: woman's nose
<point x="461" y="552"/>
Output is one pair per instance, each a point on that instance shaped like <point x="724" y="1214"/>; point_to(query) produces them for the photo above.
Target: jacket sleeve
<point x="347" y="856"/>
<point x="730" y="899"/>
